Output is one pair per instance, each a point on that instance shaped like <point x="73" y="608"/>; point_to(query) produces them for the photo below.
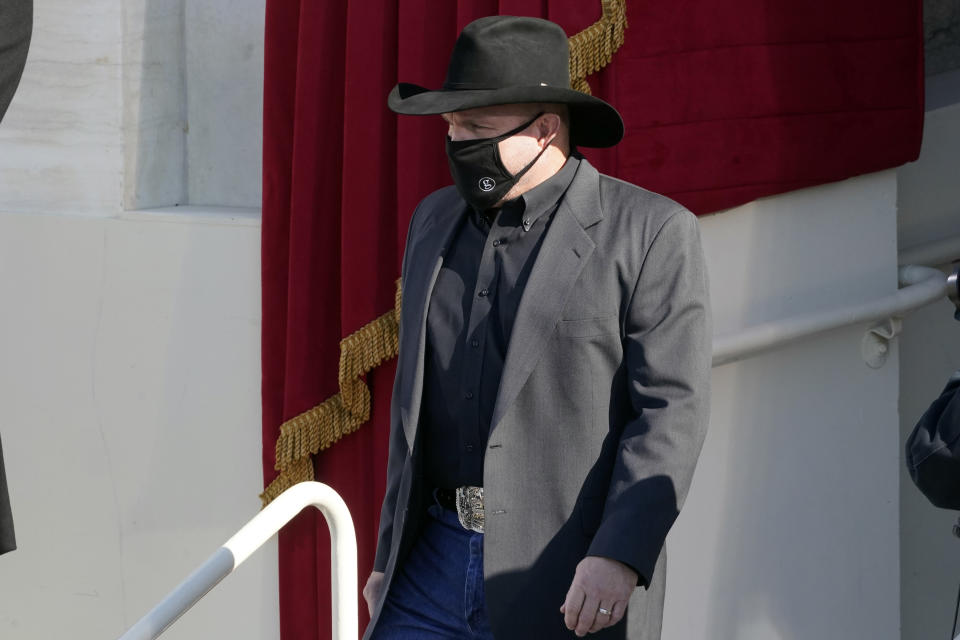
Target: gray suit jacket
<point x="602" y="408"/>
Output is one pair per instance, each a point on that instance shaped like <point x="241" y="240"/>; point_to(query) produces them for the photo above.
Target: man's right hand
<point x="371" y="592"/>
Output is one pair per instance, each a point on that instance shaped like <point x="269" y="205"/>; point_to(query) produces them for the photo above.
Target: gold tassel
<point x="592" y="49"/>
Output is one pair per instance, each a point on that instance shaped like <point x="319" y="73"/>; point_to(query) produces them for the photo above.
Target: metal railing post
<point x="252" y="536"/>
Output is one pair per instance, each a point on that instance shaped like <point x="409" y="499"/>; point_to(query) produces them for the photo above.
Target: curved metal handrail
<point x="343" y="561"/>
<point x="923" y="285"/>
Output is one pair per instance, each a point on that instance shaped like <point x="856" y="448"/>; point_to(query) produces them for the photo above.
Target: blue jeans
<point x="438" y="592"/>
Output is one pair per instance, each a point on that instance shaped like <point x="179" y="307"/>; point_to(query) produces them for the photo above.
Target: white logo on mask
<point x="487" y="184"/>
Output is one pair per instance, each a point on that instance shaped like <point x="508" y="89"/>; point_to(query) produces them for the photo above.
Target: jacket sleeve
<point x="933" y="449"/>
<point x="667" y="351"/>
<point x="396" y="459"/>
<point x="398" y="452"/>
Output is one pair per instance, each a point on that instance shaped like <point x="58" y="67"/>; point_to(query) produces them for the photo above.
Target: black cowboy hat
<point x="508" y="60"/>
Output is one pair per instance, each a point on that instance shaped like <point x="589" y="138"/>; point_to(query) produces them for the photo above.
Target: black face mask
<point x="478" y="171"/>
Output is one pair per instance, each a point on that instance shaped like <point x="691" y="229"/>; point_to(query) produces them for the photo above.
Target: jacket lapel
<point x="565" y="250"/>
<point x="429" y="246"/>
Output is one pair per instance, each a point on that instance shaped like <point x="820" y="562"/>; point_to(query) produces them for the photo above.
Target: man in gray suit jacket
<point x="552" y="388"/>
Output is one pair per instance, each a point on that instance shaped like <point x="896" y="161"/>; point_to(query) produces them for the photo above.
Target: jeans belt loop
<point x="470" y="508"/>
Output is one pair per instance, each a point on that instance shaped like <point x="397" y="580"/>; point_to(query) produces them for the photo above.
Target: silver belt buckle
<point x="470" y="508"/>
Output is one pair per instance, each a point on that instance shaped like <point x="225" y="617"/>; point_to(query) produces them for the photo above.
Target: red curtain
<point x="725" y="101"/>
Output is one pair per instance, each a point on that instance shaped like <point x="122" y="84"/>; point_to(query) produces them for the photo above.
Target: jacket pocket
<point x="588" y="327"/>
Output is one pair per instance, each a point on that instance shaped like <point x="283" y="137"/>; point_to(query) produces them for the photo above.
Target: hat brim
<point x="594" y="123"/>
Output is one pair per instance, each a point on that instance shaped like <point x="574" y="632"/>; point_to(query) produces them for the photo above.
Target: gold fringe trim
<point x="343" y="413"/>
<point x="592" y="49"/>
<point x="301" y="471"/>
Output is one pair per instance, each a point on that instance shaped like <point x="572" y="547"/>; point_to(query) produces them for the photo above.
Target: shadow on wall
<point x="154" y="104"/>
<point x="929" y="553"/>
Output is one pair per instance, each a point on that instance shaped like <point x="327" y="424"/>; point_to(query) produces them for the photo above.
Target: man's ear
<point x="549" y="126"/>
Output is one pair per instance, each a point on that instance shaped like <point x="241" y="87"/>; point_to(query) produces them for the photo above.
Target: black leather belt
<point x="447" y="498"/>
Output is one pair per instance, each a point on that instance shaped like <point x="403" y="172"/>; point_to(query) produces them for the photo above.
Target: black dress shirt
<point x="469" y="322"/>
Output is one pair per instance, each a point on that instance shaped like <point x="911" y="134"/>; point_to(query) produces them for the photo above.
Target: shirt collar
<point x="543" y="197"/>
<point x="528" y="207"/>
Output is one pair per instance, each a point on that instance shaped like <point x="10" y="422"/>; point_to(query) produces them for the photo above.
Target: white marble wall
<point x="129" y="341"/>
<point x="129" y="409"/>
<point x="136" y="104"/>
<point x="60" y="142"/>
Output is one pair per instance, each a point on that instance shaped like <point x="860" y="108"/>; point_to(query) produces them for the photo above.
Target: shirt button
<point x="474" y="343"/>
<point x="527" y="223"/>
<point x="497" y="243"/>
<point x="468" y="395"/>
<point x="484" y="293"/>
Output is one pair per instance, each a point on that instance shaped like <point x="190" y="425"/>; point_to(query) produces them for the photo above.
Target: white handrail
<point x="343" y="561"/>
<point x="923" y="286"/>
<point x="932" y="253"/>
